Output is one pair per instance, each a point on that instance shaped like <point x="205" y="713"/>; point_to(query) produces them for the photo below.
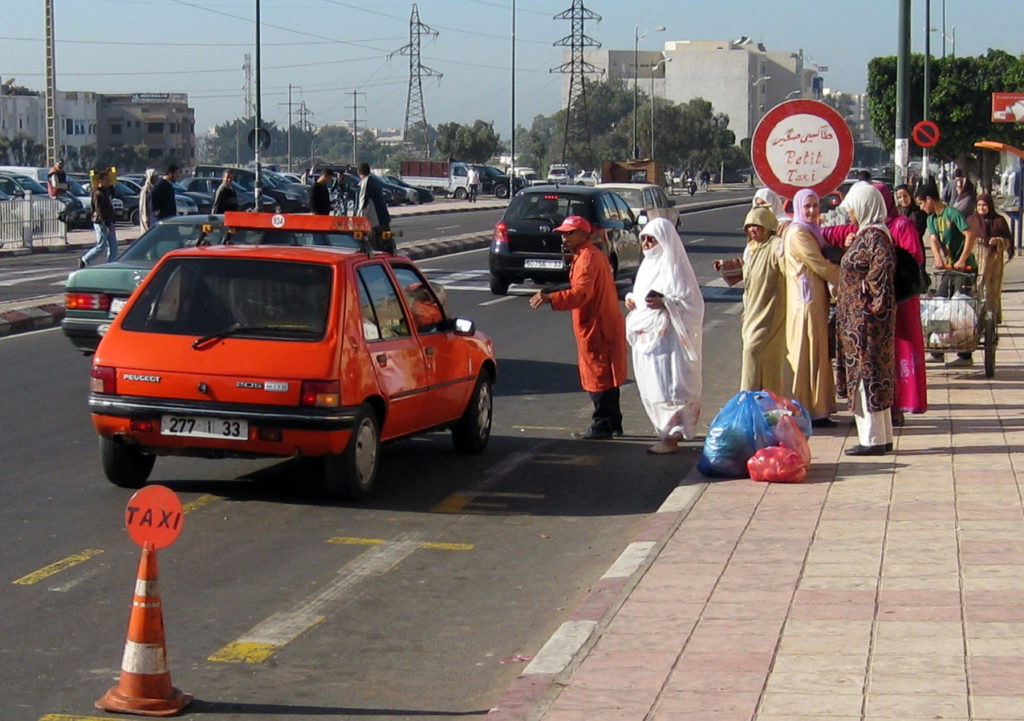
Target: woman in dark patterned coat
<point x="866" y="321"/>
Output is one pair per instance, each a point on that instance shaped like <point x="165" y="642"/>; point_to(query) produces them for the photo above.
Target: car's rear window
<point x="244" y="298"/>
<point x="162" y="238"/>
<point x="551" y="207"/>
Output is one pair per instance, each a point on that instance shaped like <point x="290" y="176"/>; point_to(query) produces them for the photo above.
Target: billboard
<point x="1008" y="107"/>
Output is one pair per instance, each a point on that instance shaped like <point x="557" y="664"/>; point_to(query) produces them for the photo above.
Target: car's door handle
<point x="382" y="359"/>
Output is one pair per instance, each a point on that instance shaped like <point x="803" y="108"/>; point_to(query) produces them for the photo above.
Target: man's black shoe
<point x="617" y="431"/>
<point x="595" y="433"/>
<point x="823" y="422"/>
<point x="867" y="450"/>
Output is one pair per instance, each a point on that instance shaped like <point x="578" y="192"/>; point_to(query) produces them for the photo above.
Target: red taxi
<point x="324" y="349"/>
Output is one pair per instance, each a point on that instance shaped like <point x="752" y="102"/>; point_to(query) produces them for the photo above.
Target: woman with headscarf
<point x="146" y="216"/>
<point x="911" y="381"/>
<point x="867" y="321"/>
<point x="765" y="197"/>
<point x="808" y="274"/>
<point x="664" y="328"/>
<point x="907" y="206"/>
<point x="763" y="324"/>
<point x="993" y="249"/>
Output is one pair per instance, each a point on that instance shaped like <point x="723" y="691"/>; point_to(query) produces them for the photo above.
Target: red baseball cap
<point x="574" y="222"/>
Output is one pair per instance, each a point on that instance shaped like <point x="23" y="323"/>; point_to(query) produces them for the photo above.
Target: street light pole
<point x="637" y="37"/>
<point x="654" y="67"/>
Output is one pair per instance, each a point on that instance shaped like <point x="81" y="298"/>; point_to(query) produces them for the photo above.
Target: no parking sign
<point x="802" y="144"/>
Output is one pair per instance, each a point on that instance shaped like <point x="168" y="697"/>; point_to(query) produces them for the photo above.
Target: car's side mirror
<point x="462" y="326"/>
<point x="641" y="220"/>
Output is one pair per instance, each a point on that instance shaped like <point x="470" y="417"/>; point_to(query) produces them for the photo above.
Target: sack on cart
<point x="949" y="322"/>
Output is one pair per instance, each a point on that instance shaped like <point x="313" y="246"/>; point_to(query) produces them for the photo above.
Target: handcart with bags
<point x="956" y="318"/>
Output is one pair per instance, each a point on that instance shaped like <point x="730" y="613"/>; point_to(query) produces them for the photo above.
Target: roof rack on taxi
<point x="357" y="225"/>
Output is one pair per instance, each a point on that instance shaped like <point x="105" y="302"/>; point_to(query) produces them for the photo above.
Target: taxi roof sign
<point x="154" y="517"/>
<point x="297" y="221"/>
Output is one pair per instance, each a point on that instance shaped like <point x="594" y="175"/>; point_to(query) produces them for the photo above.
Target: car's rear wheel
<point x="350" y="475"/>
<point x="501" y="191"/>
<point x="125" y="466"/>
<point x="499" y="285"/>
<point x="471" y="433"/>
<point x="134" y="217"/>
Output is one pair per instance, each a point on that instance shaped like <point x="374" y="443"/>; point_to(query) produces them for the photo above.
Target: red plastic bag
<point x="788" y="433"/>
<point x="777" y="464"/>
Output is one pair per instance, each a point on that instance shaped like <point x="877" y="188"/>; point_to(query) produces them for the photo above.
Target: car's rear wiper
<point x="237" y="328"/>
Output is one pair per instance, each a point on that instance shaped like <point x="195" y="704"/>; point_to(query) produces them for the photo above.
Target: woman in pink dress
<point x="911" y="382"/>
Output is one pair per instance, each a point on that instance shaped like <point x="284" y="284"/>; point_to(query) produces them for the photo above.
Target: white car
<point x="588" y="177"/>
<point x="647" y="199"/>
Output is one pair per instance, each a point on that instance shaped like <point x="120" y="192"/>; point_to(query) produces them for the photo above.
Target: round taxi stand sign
<point x="154" y="517"/>
<point x="802" y="144"/>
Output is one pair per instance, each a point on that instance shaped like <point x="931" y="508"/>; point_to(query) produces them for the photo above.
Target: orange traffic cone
<point x="145" y="685"/>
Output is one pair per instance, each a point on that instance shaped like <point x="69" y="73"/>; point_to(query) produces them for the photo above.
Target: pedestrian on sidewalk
<point x="866" y="321"/>
<point x="952" y="240"/>
<point x="320" y="193"/>
<point x="371" y="205"/>
<point x="146" y="216"/>
<point x="808" y="275"/>
<point x="472" y="183"/>
<point x="102" y="221"/>
<point x="763" y="322"/>
<point x="666" y="315"/>
<point x="164" y="203"/>
<point x="226" y="198"/>
<point x="995" y="249"/>
<point x="597" y="323"/>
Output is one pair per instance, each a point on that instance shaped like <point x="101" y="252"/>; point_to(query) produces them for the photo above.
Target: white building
<point x="740" y="78"/>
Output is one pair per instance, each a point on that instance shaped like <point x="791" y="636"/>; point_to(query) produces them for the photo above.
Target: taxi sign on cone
<point x="145" y="685"/>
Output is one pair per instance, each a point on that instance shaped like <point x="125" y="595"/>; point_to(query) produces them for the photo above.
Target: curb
<point x="530" y="696"/>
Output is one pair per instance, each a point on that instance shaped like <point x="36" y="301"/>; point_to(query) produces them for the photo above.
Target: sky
<point x="344" y="59"/>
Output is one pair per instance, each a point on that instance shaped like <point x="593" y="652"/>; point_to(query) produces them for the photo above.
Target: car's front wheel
<point x="350" y="475"/>
<point x="499" y="285"/>
<point x="461" y="194"/>
<point x="134" y="217"/>
<point x="125" y="466"/>
<point x="501" y="191"/>
<point x="471" y="433"/>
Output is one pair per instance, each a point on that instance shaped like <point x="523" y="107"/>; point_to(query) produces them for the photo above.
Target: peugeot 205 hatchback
<point x="267" y="351"/>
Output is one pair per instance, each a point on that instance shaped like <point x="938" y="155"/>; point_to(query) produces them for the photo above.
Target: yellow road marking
<point x="245" y="652"/>
<point x="354" y="541"/>
<point x="563" y="459"/>
<point x="55" y="568"/>
<point x="200" y="502"/>
<point x="70" y="717"/>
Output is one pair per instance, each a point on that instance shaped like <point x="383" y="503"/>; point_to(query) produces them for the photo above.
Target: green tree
<point x="23" y="150"/>
<point x="475" y="144"/>
<point x="960" y="100"/>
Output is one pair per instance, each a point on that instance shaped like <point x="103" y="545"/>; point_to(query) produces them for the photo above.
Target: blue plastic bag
<point x="738" y="431"/>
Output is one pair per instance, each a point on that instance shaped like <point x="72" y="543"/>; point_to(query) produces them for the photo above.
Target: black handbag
<point x="910" y="278"/>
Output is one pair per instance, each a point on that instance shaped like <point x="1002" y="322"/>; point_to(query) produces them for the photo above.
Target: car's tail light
<point x="500" y="237"/>
<point x="87" y="301"/>
<point x="103" y="380"/>
<point x="320" y="394"/>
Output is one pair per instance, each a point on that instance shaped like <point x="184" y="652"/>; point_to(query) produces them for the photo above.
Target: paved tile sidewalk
<point x="880" y="588"/>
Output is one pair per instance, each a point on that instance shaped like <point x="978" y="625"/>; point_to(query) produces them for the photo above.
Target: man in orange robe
<point x="598" y="325"/>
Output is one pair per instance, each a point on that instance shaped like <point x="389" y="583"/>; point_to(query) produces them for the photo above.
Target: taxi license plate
<point x="543" y="264"/>
<point x="202" y="427"/>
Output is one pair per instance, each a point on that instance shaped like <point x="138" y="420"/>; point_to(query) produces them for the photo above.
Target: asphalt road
<point x="423" y="602"/>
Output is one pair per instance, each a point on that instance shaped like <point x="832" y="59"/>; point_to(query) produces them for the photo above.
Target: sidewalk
<point x="880" y="588"/>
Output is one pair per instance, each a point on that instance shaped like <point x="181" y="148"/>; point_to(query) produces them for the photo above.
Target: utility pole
<point x="576" y="143"/>
<point x="51" y="90"/>
<point x="415" y="115"/>
<point x="902" y="149"/>
<point x="355" y="125"/>
<point x="289" y="104"/>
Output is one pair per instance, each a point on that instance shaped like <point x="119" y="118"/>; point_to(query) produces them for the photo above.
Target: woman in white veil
<point x="664" y="328"/>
